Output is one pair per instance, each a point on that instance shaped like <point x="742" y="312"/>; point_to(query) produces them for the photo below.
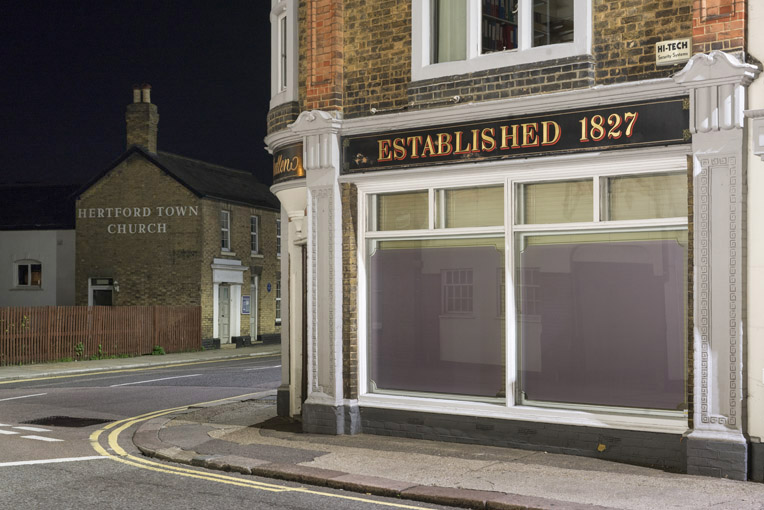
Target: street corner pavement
<point x="246" y="437"/>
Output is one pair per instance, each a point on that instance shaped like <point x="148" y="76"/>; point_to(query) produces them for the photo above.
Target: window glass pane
<point x="601" y="318"/>
<point x="23" y="272"/>
<point x="36" y="275"/>
<point x="556" y="202"/>
<point x="647" y="196"/>
<point x="283" y="53"/>
<point x="435" y="319"/>
<point x="499" y="25"/>
<point x="470" y="207"/>
<point x="449" y="30"/>
<point x="552" y="22"/>
<point x="401" y="211"/>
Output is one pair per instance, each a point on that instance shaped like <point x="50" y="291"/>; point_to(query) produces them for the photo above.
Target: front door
<point x="224" y="313"/>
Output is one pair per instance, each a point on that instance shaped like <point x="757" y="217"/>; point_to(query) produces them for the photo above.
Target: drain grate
<point x="66" y="421"/>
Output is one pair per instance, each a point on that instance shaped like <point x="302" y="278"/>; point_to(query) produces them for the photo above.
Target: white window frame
<point x="423" y="69"/>
<point x="510" y="173"/>
<point x="28" y="263"/>
<point x="254" y="234"/>
<point x="225" y="230"/>
<point x="283" y="14"/>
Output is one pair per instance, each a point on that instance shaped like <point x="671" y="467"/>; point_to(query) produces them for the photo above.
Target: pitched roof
<point x="37" y="207"/>
<point x="206" y="180"/>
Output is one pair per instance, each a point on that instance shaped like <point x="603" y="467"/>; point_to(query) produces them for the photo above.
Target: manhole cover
<point x="66" y="421"/>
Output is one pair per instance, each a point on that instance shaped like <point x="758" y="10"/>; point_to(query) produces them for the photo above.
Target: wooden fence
<point x="52" y="333"/>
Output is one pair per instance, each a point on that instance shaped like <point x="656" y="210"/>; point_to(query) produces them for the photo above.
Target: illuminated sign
<point x="287" y="164"/>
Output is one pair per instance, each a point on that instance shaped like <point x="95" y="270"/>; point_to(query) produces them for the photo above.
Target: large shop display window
<point x="589" y="272"/>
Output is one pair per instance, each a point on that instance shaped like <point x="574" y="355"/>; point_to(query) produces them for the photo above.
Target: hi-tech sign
<point x="673" y="52"/>
<point x="628" y="125"/>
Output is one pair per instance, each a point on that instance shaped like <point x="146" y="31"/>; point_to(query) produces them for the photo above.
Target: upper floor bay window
<point x="462" y="36"/>
<point x="283" y="51"/>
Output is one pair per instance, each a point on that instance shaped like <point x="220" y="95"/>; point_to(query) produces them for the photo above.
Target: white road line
<point x="50" y="461"/>
<point x="262" y="368"/>
<point x="8" y="432"/>
<point x="41" y="438"/>
<point x="154" y="380"/>
<point x="25" y="396"/>
<point x="32" y="429"/>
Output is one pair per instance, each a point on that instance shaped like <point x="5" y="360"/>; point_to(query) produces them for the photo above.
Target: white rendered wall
<point x="55" y="250"/>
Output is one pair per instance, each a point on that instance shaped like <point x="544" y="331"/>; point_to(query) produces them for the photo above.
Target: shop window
<point x="225" y="230"/>
<point x="254" y="234"/>
<point x="602" y="311"/>
<point x="278" y="298"/>
<point x="284" y="44"/>
<point x="460" y="36"/>
<point x="28" y="274"/>
<point x="595" y="291"/>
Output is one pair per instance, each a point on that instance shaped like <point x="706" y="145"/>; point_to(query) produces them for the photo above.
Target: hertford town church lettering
<point x="137" y="220"/>
<point x="657" y="122"/>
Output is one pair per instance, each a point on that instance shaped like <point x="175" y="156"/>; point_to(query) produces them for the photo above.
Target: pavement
<point x="246" y="436"/>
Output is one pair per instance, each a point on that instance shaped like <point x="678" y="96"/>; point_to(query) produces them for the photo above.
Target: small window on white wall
<point x="28" y="273"/>
<point x="284" y="43"/>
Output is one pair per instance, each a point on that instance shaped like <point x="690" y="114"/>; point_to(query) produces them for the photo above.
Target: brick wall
<point x="349" y="290"/>
<point x="266" y="263"/>
<point x="282" y="115"/>
<point x="625" y="33"/>
<point x="377" y="55"/>
<point x="321" y="54"/>
<point x="718" y="25"/>
<point x="159" y="268"/>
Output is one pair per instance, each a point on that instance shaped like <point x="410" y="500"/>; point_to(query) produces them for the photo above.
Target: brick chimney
<point x="142" y="119"/>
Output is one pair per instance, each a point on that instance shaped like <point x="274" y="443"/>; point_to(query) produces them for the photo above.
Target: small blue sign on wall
<point x="268" y="287"/>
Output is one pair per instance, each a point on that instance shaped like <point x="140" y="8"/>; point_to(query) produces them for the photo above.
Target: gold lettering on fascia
<point x="156" y="227"/>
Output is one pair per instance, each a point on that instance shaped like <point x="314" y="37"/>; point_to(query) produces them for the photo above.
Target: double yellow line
<point x="117" y="453"/>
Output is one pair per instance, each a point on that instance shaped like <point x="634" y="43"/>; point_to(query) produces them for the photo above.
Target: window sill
<point x="26" y="289"/>
<point x="256" y="255"/>
<point x="227" y="253"/>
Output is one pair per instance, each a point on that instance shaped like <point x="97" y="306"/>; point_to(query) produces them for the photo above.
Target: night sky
<point x="68" y="70"/>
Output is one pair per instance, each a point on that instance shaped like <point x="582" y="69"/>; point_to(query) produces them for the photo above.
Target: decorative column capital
<point x="716" y="83"/>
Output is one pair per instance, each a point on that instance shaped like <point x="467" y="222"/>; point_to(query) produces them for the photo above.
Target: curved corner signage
<point x="621" y="126"/>
<point x="287" y="163"/>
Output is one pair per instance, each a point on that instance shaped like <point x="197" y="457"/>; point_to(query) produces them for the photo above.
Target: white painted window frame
<point x="509" y="173"/>
<point x="254" y="234"/>
<point x="29" y="263"/>
<point x="283" y="92"/>
<point x="278" y="303"/>
<point x="225" y="230"/>
<point x="421" y="51"/>
<point x="278" y="235"/>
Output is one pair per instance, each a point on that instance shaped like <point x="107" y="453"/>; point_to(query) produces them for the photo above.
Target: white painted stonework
<point x="717" y="85"/>
<point x="321" y="159"/>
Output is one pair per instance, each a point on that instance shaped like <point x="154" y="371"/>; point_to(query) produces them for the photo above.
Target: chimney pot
<point x="146" y="90"/>
<point x="136" y="94"/>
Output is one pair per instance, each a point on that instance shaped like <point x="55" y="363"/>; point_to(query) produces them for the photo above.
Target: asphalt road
<point x="47" y="459"/>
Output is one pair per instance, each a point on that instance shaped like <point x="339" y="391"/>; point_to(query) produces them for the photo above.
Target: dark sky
<point x="67" y="70"/>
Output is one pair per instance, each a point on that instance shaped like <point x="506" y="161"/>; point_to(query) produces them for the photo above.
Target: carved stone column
<point x="325" y="411"/>
<point x="716" y="84"/>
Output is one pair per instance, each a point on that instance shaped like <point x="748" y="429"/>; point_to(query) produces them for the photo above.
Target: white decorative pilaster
<point x="716" y="84"/>
<point x="321" y="160"/>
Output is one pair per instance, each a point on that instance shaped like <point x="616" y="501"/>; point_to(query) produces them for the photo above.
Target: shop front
<point x="560" y="272"/>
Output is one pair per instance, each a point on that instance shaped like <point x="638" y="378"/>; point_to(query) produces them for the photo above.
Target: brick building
<point x="160" y="229"/>
<point x="521" y="223"/>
